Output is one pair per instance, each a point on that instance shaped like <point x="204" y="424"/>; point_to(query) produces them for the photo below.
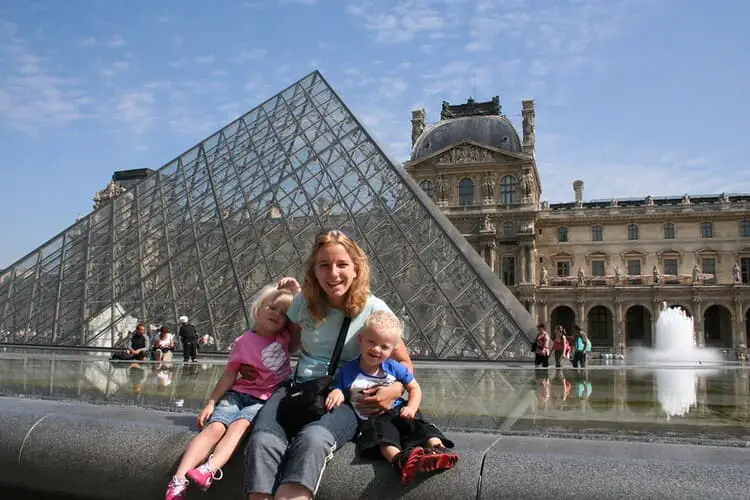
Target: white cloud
<point x="246" y="55"/>
<point x="115" y="68"/>
<point x="86" y="42"/>
<point x="391" y="87"/>
<point x="31" y="96"/>
<point x="301" y="2"/>
<point x="116" y="41"/>
<point x="399" y="22"/>
<point x="206" y="59"/>
<point x="135" y="110"/>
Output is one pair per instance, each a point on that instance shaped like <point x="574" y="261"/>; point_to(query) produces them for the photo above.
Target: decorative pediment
<point x="597" y="255"/>
<point x="464" y="154"/>
<point x="662" y="254"/>
<point x="561" y="256"/>
<point x="632" y="254"/>
<point x="708" y="252"/>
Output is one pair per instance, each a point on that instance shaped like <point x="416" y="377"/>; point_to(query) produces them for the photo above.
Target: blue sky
<point x="635" y="97"/>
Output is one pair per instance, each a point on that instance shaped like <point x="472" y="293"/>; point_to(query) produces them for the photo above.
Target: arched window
<point x="466" y="192"/>
<point x="632" y="231"/>
<point x="427" y="187"/>
<point x="508" y="186"/>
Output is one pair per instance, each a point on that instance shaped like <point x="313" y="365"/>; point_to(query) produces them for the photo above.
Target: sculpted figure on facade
<point x="685" y="199"/>
<point x="724" y="198"/>
<point x="696" y="274"/>
<point x="581" y="276"/>
<point x="488" y="186"/>
<point x="526" y="183"/>
<point x="442" y="189"/>
<point x="657" y="275"/>
<point x="736" y="273"/>
<point x="417" y="124"/>
<point x="545" y="277"/>
<point x="487" y="225"/>
<point x="618" y="275"/>
<point x="649" y="201"/>
<point x="465" y="154"/>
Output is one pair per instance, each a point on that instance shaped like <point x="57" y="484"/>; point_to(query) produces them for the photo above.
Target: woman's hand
<point x="205" y="414"/>
<point x="379" y="399"/>
<point x="289" y="283"/>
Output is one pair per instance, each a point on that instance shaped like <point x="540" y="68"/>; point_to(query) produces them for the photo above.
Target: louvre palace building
<point x="608" y="266"/>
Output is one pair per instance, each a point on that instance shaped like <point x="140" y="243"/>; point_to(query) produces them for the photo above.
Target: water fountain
<point x="675" y="347"/>
<point x="674" y="342"/>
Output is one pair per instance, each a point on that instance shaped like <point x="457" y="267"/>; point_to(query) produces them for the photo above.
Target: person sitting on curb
<point x="410" y="443"/>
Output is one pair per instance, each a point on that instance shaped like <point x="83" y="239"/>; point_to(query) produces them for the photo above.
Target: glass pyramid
<point x="206" y="231"/>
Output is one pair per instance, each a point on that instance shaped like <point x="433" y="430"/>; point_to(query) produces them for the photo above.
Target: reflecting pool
<point x="692" y="404"/>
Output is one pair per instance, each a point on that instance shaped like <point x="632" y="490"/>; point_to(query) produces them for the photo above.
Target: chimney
<point x="578" y="191"/>
<point x="417" y="124"/>
<point x="527" y="112"/>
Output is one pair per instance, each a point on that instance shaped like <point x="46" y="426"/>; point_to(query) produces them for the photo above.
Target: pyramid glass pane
<point x="204" y="233"/>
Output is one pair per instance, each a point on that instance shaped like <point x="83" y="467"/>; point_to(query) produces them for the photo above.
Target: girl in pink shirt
<point x="264" y="350"/>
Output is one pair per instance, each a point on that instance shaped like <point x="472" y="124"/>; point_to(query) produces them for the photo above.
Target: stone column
<point x="619" y="337"/>
<point x="532" y="263"/>
<point x="656" y="303"/>
<point x="544" y="315"/>
<point x="738" y="336"/>
<point x="700" y="335"/>
<point x="581" y="313"/>
<point x="522" y="276"/>
<point x="492" y="249"/>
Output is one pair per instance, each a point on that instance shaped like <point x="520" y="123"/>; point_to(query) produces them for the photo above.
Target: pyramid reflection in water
<point x="202" y="234"/>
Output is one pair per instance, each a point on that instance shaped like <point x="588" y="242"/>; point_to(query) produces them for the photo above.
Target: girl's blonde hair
<point x="356" y="296"/>
<point x="267" y="294"/>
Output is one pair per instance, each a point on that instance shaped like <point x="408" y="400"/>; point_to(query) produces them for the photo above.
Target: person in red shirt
<point x="560" y="345"/>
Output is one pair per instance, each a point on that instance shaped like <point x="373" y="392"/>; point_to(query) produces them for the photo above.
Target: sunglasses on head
<point x="326" y="231"/>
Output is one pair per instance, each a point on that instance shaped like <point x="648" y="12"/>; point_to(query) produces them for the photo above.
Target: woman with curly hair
<point x="336" y="285"/>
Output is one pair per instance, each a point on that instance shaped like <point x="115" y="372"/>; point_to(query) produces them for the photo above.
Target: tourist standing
<point x="581" y="343"/>
<point x="560" y="346"/>
<point x="543" y="344"/>
<point x="290" y="464"/>
<point x="189" y="338"/>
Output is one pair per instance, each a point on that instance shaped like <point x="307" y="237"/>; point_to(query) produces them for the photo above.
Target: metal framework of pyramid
<point x="205" y="232"/>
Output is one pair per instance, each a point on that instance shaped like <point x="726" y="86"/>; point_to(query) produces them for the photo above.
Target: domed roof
<point x="493" y="130"/>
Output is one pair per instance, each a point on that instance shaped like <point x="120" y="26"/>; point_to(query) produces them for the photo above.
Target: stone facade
<point x="605" y="265"/>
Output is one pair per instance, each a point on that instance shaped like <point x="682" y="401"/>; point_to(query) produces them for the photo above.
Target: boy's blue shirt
<point x="352" y="381"/>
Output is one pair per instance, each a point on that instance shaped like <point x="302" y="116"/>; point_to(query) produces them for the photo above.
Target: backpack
<point x="588" y="345"/>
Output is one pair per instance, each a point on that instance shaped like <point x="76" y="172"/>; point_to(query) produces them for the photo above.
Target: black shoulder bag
<point x="305" y="402"/>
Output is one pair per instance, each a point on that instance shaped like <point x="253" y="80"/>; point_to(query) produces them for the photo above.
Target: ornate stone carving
<point x="613" y="203"/>
<point x="649" y="201"/>
<point x="526" y="183"/>
<point x="736" y="273"/>
<point x="685" y="199"/>
<point x="527" y="227"/>
<point x="581" y="276"/>
<point x="488" y="186"/>
<point x="487" y="225"/>
<point x="544" y="281"/>
<point x="417" y="124"/>
<point x="112" y="191"/>
<point x="465" y="154"/>
<point x="618" y="275"/>
<point x="442" y="189"/>
<point x="657" y="275"/>
<point x="696" y="275"/>
<point x="471" y="108"/>
<point x="724" y="198"/>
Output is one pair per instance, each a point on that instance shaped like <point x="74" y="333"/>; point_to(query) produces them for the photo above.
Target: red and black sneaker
<point x="406" y="463"/>
<point x="437" y="459"/>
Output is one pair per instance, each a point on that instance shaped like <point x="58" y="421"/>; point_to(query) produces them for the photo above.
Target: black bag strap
<point x="333" y="364"/>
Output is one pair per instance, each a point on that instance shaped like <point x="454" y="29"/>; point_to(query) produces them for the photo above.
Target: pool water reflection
<point x="676" y="404"/>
